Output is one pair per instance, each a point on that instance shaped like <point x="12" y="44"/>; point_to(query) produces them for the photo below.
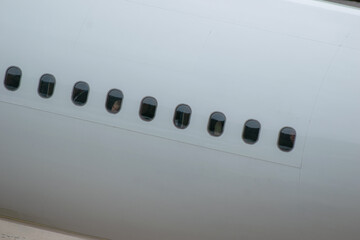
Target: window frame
<point x="174" y="118"/>
<point x="258" y="134"/>
<point x="293" y="144"/>
<point x="107" y="99"/>
<point x="223" y="126"/>
<point x="53" y="89"/>
<point x="87" y="95"/>
<point x="5" y="78"/>
<point x="141" y="106"/>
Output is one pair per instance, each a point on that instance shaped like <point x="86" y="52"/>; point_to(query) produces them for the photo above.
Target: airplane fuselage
<point x="127" y="172"/>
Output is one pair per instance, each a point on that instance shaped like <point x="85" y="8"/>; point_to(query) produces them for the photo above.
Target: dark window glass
<point x="182" y="116"/>
<point x="216" y="124"/>
<point x="12" y="78"/>
<point x="114" y="101"/>
<point x="148" y="108"/>
<point x="46" y="85"/>
<point x="287" y="138"/>
<point x="80" y="93"/>
<point x="251" y="131"/>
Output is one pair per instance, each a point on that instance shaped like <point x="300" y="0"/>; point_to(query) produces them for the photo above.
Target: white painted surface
<point x="284" y="63"/>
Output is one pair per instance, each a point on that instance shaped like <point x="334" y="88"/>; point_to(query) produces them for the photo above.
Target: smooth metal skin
<point x="284" y="63"/>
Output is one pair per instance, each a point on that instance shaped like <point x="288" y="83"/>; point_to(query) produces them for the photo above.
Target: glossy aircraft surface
<point x="68" y="162"/>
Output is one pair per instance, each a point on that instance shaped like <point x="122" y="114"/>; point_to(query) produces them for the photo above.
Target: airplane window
<point x="287" y="138"/>
<point x="182" y="116"/>
<point x="114" y="101"/>
<point x="251" y="131"/>
<point x="148" y="108"/>
<point x="80" y="93"/>
<point x="46" y="85"/>
<point x="12" y="78"/>
<point x="216" y="124"/>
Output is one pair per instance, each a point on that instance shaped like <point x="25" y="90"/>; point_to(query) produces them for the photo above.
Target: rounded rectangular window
<point x="80" y="93"/>
<point x="182" y="116"/>
<point x="114" y="101"/>
<point x="12" y="78"/>
<point x="148" y="108"/>
<point x="251" y="131"/>
<point x="286" y="139"/>
<point x="46" y="85"/>
<point x="216" y="124"/>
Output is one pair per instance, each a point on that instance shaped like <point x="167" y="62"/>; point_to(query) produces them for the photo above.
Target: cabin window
<point x="251" y="131"/>
<point x="12" y="78"/>
<point x="182" y="116"/>
<point x="114" y="101"/>
<point x="46" y="85"/>
<point x="148" y="108"/>
<point x="287" y="138"/>
<point x="80" y="93"/>
<point x="216" y="124"/>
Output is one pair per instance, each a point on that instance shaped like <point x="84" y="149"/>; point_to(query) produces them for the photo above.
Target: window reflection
<point x="148" y="108"/>
<point x="182" y="116"/>
<point x="251" y="131"/>
<point x="216" y="124"/>
<point x="114" y="101"/>
<point x="287" y="137"/>
<point x="12" y="78"/>
<point x="80" y="93"/>
<point x="46" y="85"/>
